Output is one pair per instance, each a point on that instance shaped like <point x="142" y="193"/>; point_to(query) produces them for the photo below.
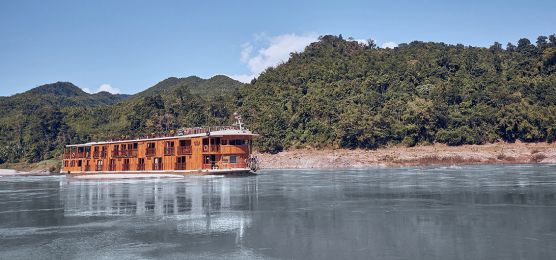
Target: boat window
<point x="237" y="142"/>
<point x="135" y="146"/>
<point x="205" y="141"/>
<point x="141" y="161"/>
<point x="170" y="144"/>
<point x="180" y="159"/>
<point x="233" y="158"/>
<point x="150" y="145"/>
<point x="66" y="163"/>
<point x="224" y="142"/>
<point x="79" y="163"/>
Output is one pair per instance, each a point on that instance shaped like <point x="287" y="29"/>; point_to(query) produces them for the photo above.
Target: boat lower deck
<point x="137" y="174"/>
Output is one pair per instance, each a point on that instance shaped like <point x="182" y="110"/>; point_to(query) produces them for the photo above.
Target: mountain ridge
<point x="335" y="94"/>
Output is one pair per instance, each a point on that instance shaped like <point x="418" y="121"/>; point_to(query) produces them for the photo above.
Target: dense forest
<point x="337" y="93"/>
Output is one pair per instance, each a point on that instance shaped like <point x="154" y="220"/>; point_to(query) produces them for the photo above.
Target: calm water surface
<point x="470" y="212"/>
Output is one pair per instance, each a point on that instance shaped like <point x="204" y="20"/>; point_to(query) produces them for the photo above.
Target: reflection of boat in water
<point x="198" y="204"/>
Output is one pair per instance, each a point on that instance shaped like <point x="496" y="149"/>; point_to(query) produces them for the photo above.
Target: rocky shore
<point x="437" y="154"/>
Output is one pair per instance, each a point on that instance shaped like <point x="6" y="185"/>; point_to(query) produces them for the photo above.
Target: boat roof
<point x="219" y="133"/>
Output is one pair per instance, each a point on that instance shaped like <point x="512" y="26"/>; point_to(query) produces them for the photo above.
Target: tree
<point x="496" y="47"/>
<point x="524" y="46"/>
<point x="542" y="42"/>
<point x="371" y="44"/>
<point x="510" y="47"/>
<point x="552" y="39"/>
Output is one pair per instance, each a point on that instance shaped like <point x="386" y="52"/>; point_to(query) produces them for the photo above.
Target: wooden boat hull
<point x="234" y="171"/>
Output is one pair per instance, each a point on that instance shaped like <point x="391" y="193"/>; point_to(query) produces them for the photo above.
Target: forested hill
<point x="336" y="93"/>
<point x="215" y="86"/>
<point x="36" y="124"/>
<point x="340" y="93"/>
<point x="59" y="94"/>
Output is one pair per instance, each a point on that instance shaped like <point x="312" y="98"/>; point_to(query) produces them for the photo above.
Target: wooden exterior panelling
<point x="154" y="155"/>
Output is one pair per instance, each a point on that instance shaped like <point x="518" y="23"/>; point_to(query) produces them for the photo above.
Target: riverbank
<point x="437" y="154"/>
<point x="47" y="167"/>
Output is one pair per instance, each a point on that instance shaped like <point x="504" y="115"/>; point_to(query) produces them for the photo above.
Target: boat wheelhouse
<point x="215" y="150"/>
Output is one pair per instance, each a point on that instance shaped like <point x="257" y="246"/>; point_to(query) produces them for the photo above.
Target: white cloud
<point x="245" y="78"/>
<point x="103" y="87"/>
<point x="265" y="51"/>
<point x="246" y="50"/>
<point x="108" y="88"/>
<point x="389" y="45"/>
<point x="274" y="51"/>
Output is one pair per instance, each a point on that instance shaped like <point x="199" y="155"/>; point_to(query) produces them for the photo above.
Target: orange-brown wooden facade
<point x="169" y="154"/>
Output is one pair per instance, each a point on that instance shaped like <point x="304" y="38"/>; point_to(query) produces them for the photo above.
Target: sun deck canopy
<point x="218" y="133"/>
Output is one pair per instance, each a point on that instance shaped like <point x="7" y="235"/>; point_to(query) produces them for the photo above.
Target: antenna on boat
<point x="237" y="116"/>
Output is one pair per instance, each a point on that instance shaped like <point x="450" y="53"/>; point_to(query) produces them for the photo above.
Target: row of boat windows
<point x="180" y="159"/>
<point x="170" y="144"/>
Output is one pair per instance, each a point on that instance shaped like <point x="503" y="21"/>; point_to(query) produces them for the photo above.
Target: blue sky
<point x="128" y="46"/>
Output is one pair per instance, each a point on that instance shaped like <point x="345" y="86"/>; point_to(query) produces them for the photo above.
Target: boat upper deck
<point x="186" y="134"/>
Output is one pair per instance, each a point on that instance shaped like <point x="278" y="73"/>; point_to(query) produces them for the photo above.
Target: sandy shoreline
<point x="12" y="172"/>
<point x="438" y="154"/>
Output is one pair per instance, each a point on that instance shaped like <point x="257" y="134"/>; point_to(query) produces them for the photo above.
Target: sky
<point x="127" y="46"/>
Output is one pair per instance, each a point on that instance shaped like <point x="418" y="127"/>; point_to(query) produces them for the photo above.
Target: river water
<point x="468" y="212"/>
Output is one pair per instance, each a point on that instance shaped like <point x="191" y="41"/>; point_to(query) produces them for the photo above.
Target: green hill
<point x="339" y="93"/>
<point x="37" y="123"/>
<point x="215" y="86"/>
<point x="336" y="93"/>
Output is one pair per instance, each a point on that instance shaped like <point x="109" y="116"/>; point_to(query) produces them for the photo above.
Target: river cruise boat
<point x="208" y="150"/>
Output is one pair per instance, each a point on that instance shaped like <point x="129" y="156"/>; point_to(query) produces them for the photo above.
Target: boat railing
<point x="223" y="165"/>
<point x="97" y="154"/>
<point x="179" y="132"/>
<point x="168" y="150"/>
<point x="76" y="155"/>
<point x="157" y="166"/>
<point x="124" y="153"/>
<point x="176" y="133"/>
<point x="180" y="166"/>
<point x="215" y="148"/>
<point x="203" y="130"/>
<point x="184" y="150"/>
<point x="141" y="167"/>
<point x="151" y="151"/>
